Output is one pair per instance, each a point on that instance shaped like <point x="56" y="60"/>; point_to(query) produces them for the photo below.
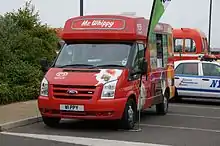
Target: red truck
<point x="106" y="71"/>
<point x="189" y="43"/>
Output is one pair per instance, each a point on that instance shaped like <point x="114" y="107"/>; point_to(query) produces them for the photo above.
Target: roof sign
<point x="102" y="23"/>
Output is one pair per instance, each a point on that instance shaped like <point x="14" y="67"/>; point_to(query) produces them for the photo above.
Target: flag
<point x="158" y="8"/>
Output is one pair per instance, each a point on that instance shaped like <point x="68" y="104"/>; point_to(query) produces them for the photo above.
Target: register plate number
<point x="78" y="108"/>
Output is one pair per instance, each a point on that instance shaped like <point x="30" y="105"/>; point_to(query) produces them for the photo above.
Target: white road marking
<point x="194" y="116"/>
<point x="81" y="140"/>
<point x="181" y="128"/>
<point x="194" y="106"/>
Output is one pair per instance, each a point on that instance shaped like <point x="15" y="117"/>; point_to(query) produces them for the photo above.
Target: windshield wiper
<point x="74" y="65"/>
<point x="109" y="65"/>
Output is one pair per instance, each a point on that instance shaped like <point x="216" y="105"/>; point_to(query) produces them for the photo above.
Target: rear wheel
<point x="129" y="116"/>
<point x="51" y="121"/>
<point x="162" y="108"/>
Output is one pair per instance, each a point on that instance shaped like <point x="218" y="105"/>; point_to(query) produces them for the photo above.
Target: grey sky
<point x="180" y="13"/>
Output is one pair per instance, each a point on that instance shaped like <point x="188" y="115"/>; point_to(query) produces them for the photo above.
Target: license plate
<point x="77" y="108"/>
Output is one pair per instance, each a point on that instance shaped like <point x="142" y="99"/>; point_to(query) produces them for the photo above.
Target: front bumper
<point x="93" y="109"/>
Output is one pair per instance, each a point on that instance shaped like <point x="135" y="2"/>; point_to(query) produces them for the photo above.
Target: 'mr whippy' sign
<point x="117" y="24"/>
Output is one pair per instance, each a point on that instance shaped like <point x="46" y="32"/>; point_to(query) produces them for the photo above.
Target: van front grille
<point x="80" y="92"/>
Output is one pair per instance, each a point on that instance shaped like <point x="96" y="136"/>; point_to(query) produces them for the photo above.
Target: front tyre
<point x="128" y="119"/>
<point x="51" y="121"/>
<point x="162" y="108"/>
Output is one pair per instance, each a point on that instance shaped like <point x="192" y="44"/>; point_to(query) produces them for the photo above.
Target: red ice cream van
<point x="104" y="71"/>
<point x="189" y="43"/>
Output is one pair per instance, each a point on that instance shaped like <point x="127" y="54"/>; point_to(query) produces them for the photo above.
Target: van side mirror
<point x="44" y="64"/>
<point x="144" y="67"/>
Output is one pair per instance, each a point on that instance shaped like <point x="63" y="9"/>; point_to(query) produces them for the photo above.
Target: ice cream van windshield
<point x="74" y="55"/>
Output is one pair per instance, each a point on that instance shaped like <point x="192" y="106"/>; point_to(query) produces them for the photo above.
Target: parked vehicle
<point x="189" y="43"/>
<point x="105" y="72"/>
<point x="197" y="78"/>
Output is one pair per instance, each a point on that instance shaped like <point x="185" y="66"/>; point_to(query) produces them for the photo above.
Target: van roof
<point x="109" y="27"/>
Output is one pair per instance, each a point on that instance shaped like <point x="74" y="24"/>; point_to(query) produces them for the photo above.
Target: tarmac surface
<point x="186" y="124"/>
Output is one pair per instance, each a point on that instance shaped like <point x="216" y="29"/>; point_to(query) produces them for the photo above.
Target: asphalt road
<point x="194" y="124"/>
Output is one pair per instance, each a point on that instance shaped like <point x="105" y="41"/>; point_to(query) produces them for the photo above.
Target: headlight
<point x="44" y="87"/>
<point x="108" y="91"/>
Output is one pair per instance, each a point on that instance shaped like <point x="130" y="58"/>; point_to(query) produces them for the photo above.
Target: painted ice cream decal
<point x="106" y="75"/>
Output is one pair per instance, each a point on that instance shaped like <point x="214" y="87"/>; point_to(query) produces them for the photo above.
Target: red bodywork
<point x="197" y="36"/>
<point x="89" y="96"/>
<point x="103" y="28"/>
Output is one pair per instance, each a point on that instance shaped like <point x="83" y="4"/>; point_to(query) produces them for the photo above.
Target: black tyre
<point x="129" y="116"/>
<point x="162" y="108"/>
<point x="177" y="98"/>
<point x="51" y="121"/>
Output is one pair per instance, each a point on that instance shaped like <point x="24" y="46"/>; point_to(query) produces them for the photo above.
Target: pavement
<point x="18" y="114"/>
<point x="186" y="124"/>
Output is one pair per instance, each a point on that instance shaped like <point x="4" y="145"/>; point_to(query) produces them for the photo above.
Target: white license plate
<point x="77" y="108"/>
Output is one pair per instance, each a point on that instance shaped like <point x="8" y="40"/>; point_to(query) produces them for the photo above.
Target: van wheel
<point x="129" y="116"/>
<point x="51" y="121"/>
<point x="162" y="108"/>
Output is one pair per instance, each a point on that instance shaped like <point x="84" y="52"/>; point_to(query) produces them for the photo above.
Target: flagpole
<point x="81" y="7"/>
<point x="139" y="100"/>
<point x="210" y="26"/>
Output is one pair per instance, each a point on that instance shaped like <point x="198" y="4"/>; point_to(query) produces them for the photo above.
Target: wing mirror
<point x="44" y="64"/>
<point x="144" y="67"/>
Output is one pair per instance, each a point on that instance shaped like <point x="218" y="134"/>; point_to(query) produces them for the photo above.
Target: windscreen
<point x="94" y="54"/>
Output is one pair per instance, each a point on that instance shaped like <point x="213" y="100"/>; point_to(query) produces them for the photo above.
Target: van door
<point x="187" y="79"/>
<point x="135" y="66"/>
<point x="210" y="80"/>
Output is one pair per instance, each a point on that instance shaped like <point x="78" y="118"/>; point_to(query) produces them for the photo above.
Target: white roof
<point x="128" y="13"/>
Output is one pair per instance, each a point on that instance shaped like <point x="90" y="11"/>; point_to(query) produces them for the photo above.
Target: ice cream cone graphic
<point x="111" y="71"/>
<point x="105" y="77"/>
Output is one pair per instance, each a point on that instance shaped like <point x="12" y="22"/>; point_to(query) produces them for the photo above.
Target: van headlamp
<point x="108" y="91"/>
<point x="44" y="87"/>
